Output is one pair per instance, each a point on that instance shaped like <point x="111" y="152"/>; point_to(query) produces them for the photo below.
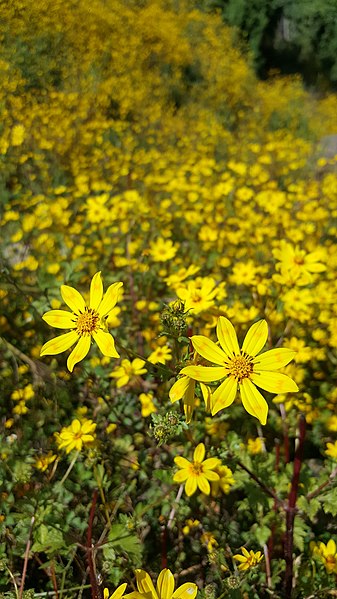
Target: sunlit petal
<point x="204" y="485"/>
<point x="186" y="591"/>
<point x="181" y="476"/>
<point x="211" y="463"/>
<point x="181" y="462"/>
<point x="207" y="395"/>
<point x="106" y="344"/>
<point x="165" y="584"/>
<point x="224" y="395"/>
<point x="110" y="299"/>
<point x="275" y="382"/>
<point x="208" y="349"/>
<point x="210" y="475"/>
<point x="227" y="337"/>
<point x="253" y="402"/>
<point x="255" y="338"/>
<point x="60" y="319"/>
<point x="119" y="591"/>
<point x="73" y="299"/>
<point x="96" y="291"/>
<point x="206" y="374"/>
<point x="191" y="486"/>
<point x="144" y="583"/>
<point x="273" y="359"/>
<point x="79" y="352"/>
<point x="199" y="453"/>
<point x="59" y="344"/>
<point x="179" y="388"/>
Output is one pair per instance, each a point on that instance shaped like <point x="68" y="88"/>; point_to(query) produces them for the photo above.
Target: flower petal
<point x="96" y="291"/>
<point x="60" y="319"/>
<point x="79" y="352"/>
<point x="106" y="344"/>
<point x="206" y="374"/>
<point x="211" y="463"/>
<point x="253" y="402"/>
<point x="199" y="453"/>
<point x="227" y="337"/>
<point x="191" y="486"/>
<point x="207" y="395"/>
<point x="119" y="591"/>
<point x="203" y="485"/>
<point x="224" y="395"/>
<point x="144" y="583"/>
<point x="182" y="462"/>
<point x="273" y="359"/>
<point x="59" y="344"/>
<point x="255" y="338"/>
<point x="110" y="299"/>
<point x="186" y="591"/>
<point x="165" y="584"/>
<point x="179" y="388"/>
<point x="275" y="382"/>
<point x="73" y="299"/>
<point x="208" y="349"/>
<point x="210" y="475"/>
<point x="181" y="476"/>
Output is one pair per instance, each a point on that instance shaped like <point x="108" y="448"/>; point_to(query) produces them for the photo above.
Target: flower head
<point x="242" y="368"/>
<point x="328" y="555"/>
<point x="86" y="322"/>
<point x="76" y="435"/>
<point x="197" y="473"/>
<point x="249" y="559"/>
<point x="164" y="588"/>
<point x="128" y="371"/>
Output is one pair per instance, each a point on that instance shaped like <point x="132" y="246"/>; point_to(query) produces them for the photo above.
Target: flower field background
<point x="176" y="217"/>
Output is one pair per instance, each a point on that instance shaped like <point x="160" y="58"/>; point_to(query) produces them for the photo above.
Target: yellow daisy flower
<point x="197" y="473"/>
<point x="164" y="588"/>
<point x="86" y="322"/>
<point x="76" y="435"/>
<point x="249" y="559"/>
<point x="242" y="368"/>
<point x="328" y="555"/>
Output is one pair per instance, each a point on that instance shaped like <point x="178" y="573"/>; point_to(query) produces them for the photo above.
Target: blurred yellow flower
<point x="328" y="555"/>
<point x="331" y="450"/>
<point x="148" y="407"/>
<point x="249" y="559"/>
<point x="128" y="371"/>
<point x="198" y="472"/>
<point x="77" y="434"/>
<point x="43" y="461"/>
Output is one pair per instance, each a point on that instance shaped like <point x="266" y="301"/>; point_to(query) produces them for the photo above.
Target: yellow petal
<point x="119" y="591"/>
<point x="211" y="463"/>
<point x="227" y="337"/>
<point x="224" y="395"/>
<point x="79" y="352"/>
<point x="208" y="349"/>
<point x="256" y="338"/>
<point x="73" y="299"/>
<point x="273" y="359"/>
<point x="110" y="299"/>
<point x="145" y="584"/>
<point x="210" y="475"/>
<point x="59" y="344"/>
<point x="96" y="291"/>
<point x="165" y="584"/>
<point x="204" y="485"/>
<point x="207" y="395"/>
<point x="253" y="402"/>
<point x="275" y="382"/>
<point x="181" y="476"/>
<point x="106" y="344"/>
<point x="60" y="319"/>
<point x="199" y="453"/>
<point x="191" y="486"/>
<point x="206" y="374"/>
<point x="181" y="462"/>
<point x="179" y="388"/>
<point x="186" y="591"/>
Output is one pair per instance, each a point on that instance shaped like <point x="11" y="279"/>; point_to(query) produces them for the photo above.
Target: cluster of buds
<point x="173" y="319"/>
<point x="165" y="427"/>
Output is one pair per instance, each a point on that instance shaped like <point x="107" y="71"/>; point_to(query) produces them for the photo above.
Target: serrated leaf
<point x="329" y="502"/>
<point x="123" y="541"/>
<point x="310" y="508"/>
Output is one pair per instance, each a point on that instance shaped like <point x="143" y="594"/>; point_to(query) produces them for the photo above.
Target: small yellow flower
<point x="128" y="371"/>
<point x="208" y="539"/>
<point x="164" y="587"/>
<point x="76" y="435"/>
<point x="20" y="408"/>
<point x="43" y="461"/>
<point x="225" y="482"/>
<point x="331" y="450"/>
<point x="160" y="355"/>
<point x="255" y="446"/>
<point x="148" y="407"/>
<point x="242" y="368"/>
<point x="86" y="322"/>
<point x="197" y="473"/>
<point x="248" y="559"/>
<point x="189" y="525"/>
<point x="328" y="554"/>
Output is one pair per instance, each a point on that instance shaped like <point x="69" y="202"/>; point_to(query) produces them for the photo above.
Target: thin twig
<point x="26" y="557"/>
<point x="322" y="486"/>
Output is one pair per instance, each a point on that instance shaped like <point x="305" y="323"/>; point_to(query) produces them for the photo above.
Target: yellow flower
<point x="196" y="473"/>
<point x="242" y="368"/>
<point x="332" y="450"/>
<point x="328" y="555"/>
<point x="255" y="446"/>
<point x="295" y="265"/>
<point x="160" y="355"/>
<point x="162" y="249"/>
<point x="117" y="594"/>
<point x="76" y="435"/>
<point x="164" y="588"/>
<point x="208" y="539"/>
<point x="225" y="482"/>
<point x="189" y="524"/>
<point x="148" y="406"/>
<point x="43" y="461"/>
<point x="248" y="559"/>
<point x="87" y="321"/>
<point x="127" y="371"/>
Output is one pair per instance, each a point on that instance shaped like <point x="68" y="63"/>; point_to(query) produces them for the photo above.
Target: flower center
<point x="240" y="367"/>
<point x="87" y="322"/>
<point x="196" y="468"/>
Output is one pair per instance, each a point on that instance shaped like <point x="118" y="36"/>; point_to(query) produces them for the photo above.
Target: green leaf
<point x="123" y="541"/>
